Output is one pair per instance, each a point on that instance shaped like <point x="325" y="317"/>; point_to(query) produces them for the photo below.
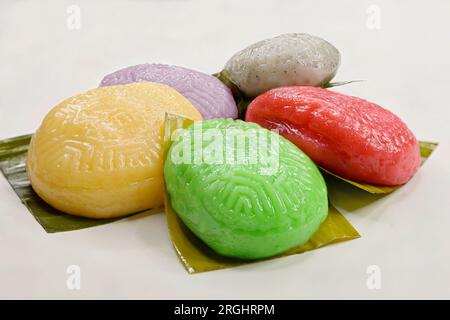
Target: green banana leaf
<point x="426" y="149"/>
<point x="339" y="83"/>
<point x="242" y="101"/>
<point x="13" y="154"/>
<point x="197" y="257"/>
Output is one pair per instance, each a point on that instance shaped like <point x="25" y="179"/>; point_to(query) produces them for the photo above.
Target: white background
<point x="406" y="64"/>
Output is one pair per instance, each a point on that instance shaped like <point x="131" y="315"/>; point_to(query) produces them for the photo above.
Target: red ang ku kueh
<point x="351" y="137"/>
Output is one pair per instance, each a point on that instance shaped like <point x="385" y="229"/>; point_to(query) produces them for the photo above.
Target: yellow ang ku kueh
<point x="99" y="154"/>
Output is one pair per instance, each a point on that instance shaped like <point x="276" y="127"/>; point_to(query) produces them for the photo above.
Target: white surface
<point x="407" y="66"/>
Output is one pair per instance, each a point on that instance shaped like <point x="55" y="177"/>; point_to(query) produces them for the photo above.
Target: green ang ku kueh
<point x="241" y="203"/>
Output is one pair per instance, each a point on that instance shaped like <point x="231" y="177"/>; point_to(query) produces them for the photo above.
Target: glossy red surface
<point x="349" y="136"/>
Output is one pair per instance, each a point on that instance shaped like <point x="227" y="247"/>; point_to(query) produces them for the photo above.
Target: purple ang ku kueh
<point x="208" y="94"/>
